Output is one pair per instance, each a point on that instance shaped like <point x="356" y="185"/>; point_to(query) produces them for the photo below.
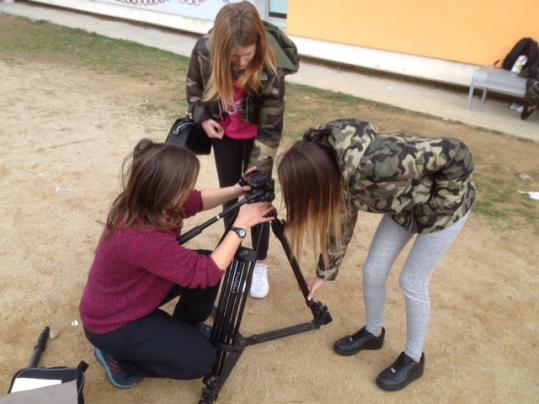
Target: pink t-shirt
<point x="233" y="125"/>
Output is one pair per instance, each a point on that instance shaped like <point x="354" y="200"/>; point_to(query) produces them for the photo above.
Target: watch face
<point x="240" y="232"/>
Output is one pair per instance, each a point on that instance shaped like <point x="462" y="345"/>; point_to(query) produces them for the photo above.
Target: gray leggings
<point x="428" y="249"/>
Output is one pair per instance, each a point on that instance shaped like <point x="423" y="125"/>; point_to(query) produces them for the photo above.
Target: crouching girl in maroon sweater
<point x="139" y="266"/>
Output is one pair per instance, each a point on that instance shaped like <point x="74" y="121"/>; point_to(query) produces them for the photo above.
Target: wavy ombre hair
<point x="236" y="26"/>
<point x="312" y="189"/>
<point x="157" y="179"/>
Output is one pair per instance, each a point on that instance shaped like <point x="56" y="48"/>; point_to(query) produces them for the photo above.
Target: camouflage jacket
<point x="532" y="92"/>
<point x="264" y="109"/>
<point x="425" y="185"/>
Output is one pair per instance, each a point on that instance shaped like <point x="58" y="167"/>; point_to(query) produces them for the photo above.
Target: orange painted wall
<point x="468" y="31"/>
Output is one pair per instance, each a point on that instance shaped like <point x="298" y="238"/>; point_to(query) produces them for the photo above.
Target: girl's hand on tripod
<point x="240" y="191"/>
<point x="248" y="215"/>
<point x="314" y="284"/>
<point x="243" y="189"/>
<point x="252" y="214"/>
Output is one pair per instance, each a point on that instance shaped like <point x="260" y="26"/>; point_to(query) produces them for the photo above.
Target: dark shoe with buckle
<point x="401" y="373"/>
<point x="361" y="340"/>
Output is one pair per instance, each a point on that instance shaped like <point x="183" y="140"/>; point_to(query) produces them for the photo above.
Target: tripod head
<point x="262" y="190"/>
<point x="262" y="186"/>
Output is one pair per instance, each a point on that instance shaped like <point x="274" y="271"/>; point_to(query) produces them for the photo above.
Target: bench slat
<point x="497" y="80"/>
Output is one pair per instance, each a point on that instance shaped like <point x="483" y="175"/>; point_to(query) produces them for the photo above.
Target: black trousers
<point x="231" y="160"/>
<point x="161" y="345"/>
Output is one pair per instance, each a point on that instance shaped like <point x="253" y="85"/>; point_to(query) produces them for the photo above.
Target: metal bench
<point x="497" y="80"/>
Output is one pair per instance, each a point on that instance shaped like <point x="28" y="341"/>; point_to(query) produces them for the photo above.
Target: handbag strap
<point x="190" y="109"/>
<point x="82" y="366"/>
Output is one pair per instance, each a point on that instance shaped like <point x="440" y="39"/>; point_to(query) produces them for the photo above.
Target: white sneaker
<point x="260" y="284"/>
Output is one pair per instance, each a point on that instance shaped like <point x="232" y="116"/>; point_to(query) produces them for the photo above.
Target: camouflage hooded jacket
<point x="264" y="109"/>
<point x="425" y="185"/>
<point x="532" y="92"/>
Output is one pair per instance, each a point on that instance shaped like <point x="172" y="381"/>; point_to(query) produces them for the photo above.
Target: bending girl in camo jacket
<point x="423" y="187"/>
<point x="235" y="89"/>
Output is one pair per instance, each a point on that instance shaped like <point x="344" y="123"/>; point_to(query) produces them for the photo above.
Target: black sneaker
<point x="359" y="341"/>
<point x="116" y="375"/>
<point x="401" y="373"/>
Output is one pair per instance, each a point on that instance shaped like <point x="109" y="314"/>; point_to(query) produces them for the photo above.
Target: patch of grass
<point x="498" y="198"/>
<point x="43" y="41"/>
<point x="10" y="61"/>
<point x="527" y="209"/>
<point x="489" y="209"/>
<point x="149" y="108"/>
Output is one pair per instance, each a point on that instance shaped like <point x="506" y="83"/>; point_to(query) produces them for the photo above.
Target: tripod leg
<point x="320" y="312"/>
<point x="278" y="229"/>
<point x="228" y="316"/>
<point x="231" y="294"/>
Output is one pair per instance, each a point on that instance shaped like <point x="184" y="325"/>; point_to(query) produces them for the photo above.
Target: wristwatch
<point x="239" y="231"/>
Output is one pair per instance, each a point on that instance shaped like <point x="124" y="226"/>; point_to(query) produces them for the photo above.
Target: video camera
<point x="262" y="190"/>
<point x="262" y="186"/>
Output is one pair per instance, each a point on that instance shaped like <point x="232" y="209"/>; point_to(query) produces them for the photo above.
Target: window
<point x="277" y="8"/>
<point x="274" y="11"/>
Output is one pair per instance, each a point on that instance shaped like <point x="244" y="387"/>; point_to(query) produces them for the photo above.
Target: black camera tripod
<point x="235" y="287"/>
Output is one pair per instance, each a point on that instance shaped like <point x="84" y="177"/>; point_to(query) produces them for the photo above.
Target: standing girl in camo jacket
<point x="235" y="89"/>
<point x="423" y="187"/>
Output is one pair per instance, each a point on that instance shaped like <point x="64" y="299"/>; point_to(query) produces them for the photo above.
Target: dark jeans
<point x="231" y="160"/>
<point x="161" y="345"/>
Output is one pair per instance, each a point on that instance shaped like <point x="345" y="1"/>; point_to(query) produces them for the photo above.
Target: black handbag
<point x="184" y="132"/>
<point x="45" y="380"/>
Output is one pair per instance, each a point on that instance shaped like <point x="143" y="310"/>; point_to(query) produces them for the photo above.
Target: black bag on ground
<point x="49" y="378"/>
<point x="184" y="132"/>
<point x="57" y="385"/>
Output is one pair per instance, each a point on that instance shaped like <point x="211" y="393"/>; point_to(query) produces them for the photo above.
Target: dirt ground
<point x="64" y="134"/>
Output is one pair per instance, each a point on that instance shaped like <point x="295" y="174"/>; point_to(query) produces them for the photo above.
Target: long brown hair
<point x="311" y="184"/>
<point x="157" y="179"/>
<point x="237" y="25"/>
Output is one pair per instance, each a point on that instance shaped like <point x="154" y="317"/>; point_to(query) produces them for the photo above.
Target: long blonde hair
<point x="237" y="25"/>
<point x="311" y="184"/>
<point x="157" y="179"/>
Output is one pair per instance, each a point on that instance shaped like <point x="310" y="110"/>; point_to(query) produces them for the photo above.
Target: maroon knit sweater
<point x="133" y="271"/>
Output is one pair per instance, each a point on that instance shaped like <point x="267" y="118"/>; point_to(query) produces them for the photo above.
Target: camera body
<point x="262" y="190"/>
<point x="262" y="186"/>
